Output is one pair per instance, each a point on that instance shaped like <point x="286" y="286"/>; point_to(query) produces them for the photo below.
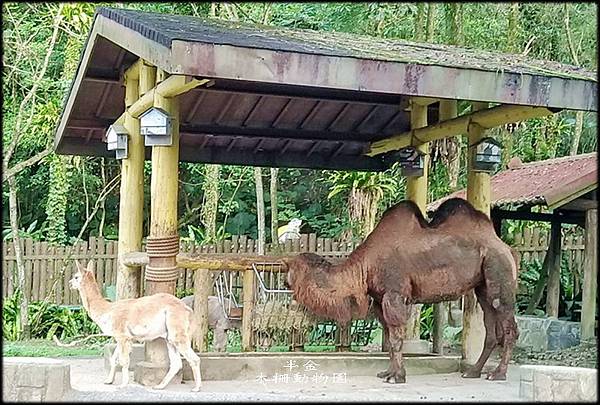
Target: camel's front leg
<point x="395" y="313"/>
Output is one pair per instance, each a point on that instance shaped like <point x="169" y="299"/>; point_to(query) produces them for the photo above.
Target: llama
<point x="142" y="319"/>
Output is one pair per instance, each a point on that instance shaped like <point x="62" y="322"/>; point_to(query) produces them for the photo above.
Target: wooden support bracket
<point x="487" y="118"/>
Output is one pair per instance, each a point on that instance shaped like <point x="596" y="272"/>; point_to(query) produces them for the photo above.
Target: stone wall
<point x="558" y="383"/>
<point x="34" y="379"/>
<point x="541" y="334"/>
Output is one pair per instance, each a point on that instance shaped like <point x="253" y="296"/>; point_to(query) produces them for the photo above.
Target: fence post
<point x="590" y="276"/>
<point x="248" y="286"/>
<point x="202" y="286"/>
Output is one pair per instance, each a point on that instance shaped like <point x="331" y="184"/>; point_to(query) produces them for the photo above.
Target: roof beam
<point x="488" y="118"/>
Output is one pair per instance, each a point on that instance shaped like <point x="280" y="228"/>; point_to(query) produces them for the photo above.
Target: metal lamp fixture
<point x="411" y="161"/>
<point x="116" y="139"/>
<point x="488" y="153"/>
<point x="157" y="128"/>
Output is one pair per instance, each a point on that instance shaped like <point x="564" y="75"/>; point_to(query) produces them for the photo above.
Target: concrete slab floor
<point x="87" y="375"/>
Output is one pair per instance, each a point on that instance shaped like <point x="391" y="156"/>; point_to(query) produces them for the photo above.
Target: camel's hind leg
<point x="506" y="321"/>
<point x="489" y="320"/>
<point x="395" y="313"/>
<point x="114" y="359"/>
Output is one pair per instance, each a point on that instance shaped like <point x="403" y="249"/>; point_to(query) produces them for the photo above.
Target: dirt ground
<point x="87" y="375"/>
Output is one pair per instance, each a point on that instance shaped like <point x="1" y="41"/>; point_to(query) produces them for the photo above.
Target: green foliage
<point x="45" y="320"/>
<point x="52" y="195"/>
<point x="426" y="322"/>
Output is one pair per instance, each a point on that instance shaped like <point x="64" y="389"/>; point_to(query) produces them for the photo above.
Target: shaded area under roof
<point x="549" y="183"/>
<point x="293" y="98"/>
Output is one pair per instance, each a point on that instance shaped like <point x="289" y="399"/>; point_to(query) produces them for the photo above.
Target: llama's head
<point x="82" y="275"/>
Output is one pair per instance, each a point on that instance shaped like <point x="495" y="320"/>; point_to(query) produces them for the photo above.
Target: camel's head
<point x="323" y="290"/>
<point x="305" y="267"/>
<point x="82" y="275"/>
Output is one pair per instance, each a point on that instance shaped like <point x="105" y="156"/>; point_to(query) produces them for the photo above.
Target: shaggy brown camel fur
<point x="407" y="260"/>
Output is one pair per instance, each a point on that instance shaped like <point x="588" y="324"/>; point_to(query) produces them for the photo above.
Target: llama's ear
<point x="90" y="266"/>
<point x="79" y="268"/>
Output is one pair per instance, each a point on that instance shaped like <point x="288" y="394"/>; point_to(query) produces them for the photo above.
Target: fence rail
<point x="47" y="270"/>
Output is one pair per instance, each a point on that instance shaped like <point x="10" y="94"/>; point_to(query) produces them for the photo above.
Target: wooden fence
<point x="48" y="268"/>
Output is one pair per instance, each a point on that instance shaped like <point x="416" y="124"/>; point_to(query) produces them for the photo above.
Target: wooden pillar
<point x="478" y="194"/>
<point x="590" y="276"/>
<point x="131" y="204"/>
<point x="448" y="110"/>
<point x="248" y="288"/>
<point x="161" y="271"/>
<point x="553" y="290"/>
<point x="202" y="289"/>
<point x="416" y="190"/>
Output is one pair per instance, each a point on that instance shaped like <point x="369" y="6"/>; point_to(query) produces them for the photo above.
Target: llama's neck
<point x="93" y="301"/>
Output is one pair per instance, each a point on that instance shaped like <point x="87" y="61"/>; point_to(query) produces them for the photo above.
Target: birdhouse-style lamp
<point x="156" y="126"/>
<point x="411" y="161"/>
<point x="488" y="153"/>
<point x="116" y="139"/>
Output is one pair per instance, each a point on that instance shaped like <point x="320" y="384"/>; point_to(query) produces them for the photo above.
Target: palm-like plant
<point x="364" y="191"/>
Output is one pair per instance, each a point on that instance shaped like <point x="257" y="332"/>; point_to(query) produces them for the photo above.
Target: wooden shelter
<point x="266" y="96"/>
<point x="567" y="187"/>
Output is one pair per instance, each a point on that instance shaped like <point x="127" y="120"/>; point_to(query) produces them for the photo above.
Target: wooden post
<point x="448" y="110"/>
<point x="590" y="276"/>
<point x="553" y="290"/>
<point x="248" y="287"/>
<point x="160" y="274"/>
<point x="416" y="190"/>
<point x="131" y="205"/>
<point x="478" y="194"/>
<point x="202" y="289"/>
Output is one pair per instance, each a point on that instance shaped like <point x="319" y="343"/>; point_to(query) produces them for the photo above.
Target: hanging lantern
<point x="411" y="161"/>
<point x="116" y="139"/>
<point x="156" y="126"/>
<point x="488" y="154"/>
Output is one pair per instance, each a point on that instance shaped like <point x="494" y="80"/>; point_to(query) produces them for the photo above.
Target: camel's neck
<point x="356" y="266"/>
<point x="93" y="301"/>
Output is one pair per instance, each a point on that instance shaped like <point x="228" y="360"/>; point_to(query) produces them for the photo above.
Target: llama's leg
<point x="125" y="349"/>
<point x="489" y="321"/>
<point x="506" y="320"/>
<point x="113" y="365"/>
<point x="395" y="312"/>
<point x="194" y="361"/>
<point x="175" y="364"/>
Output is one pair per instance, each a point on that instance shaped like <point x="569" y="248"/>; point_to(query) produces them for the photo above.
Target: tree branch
<point x="31" y="93"/>
<point x="16" y="169"/>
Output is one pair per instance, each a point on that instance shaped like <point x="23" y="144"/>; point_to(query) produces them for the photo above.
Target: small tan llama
<point x="141" y="319"/>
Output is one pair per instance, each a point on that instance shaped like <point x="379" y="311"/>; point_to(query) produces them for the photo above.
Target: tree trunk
<point x="455" y="36"/>
<point x="577" y="132"/>
<point x="211" y="201"/>
<point x="102" y="204"/>
<point x="260" y="210"/>
<point x="14" y="226"/>
<point x="431" y="11"/>
<point x="274" y="208"/>
<point x="513" y="29"/>
<point x="419" y="18"/>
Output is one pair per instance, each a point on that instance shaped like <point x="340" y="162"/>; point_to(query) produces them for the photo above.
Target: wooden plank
<point x="235" y="243"/>
<point x="43" y="269"/>
<point x="59" y="274"/>
<point x="320" y="245"/>
<point x="28" y="251"/>
<point x="590" y="277"/>
<point x="303" y="242"/>
<point x="312" y="242"/>
<point x="242" y="247"/>
<point x="35" y="287"/>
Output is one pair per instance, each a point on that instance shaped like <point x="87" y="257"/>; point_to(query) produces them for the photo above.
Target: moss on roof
<point x="165" y="28"/>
